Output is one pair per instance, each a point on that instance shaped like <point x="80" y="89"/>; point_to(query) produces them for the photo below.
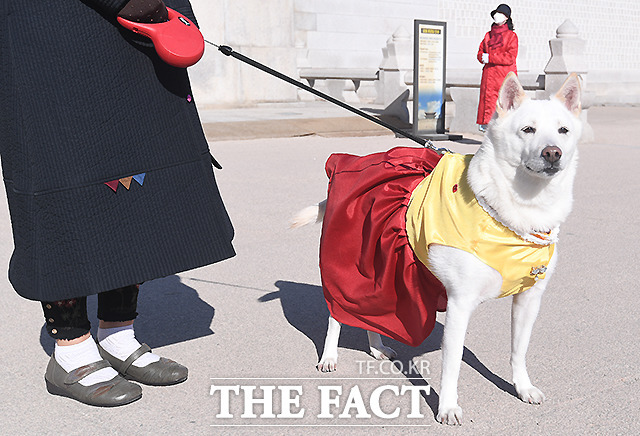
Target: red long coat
<point x="502" y="59"/>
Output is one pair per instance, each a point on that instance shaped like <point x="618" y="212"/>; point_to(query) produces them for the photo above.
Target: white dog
<point x="522" y="176"/>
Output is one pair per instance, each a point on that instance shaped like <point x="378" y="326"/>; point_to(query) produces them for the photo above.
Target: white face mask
<point x="499" y="18"/>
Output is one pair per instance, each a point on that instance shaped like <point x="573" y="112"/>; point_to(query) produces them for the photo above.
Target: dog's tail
<point x="309" y="215"/>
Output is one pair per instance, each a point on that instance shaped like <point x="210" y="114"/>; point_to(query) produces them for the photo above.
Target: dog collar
<point x="538" y="238"/>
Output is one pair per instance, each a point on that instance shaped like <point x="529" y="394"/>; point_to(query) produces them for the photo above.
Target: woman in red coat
<point x="498" y="52"/>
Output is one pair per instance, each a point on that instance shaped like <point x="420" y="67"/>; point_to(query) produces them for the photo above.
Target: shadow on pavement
<point x="169" y="311"/>
<point x="305" y="309"/>
<point x="468" y="141"/>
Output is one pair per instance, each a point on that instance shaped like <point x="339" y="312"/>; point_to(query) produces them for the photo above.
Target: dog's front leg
<point x="468" y="282"/>
<point x="329" y="359"/>
<point x="455" y="329"/>
<point x="524" y="311"/>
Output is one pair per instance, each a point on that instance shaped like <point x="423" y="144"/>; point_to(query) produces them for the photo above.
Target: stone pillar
<point x="466" y="109"/>
<point x="397" y="62"/>
<point x="568" y="56"/>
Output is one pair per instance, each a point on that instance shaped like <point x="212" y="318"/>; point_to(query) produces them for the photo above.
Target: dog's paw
<point x="327" y="365"/>
<point x="383" y="353"/>
<point x="450" y="415"/>
<point x="531" y="395"/>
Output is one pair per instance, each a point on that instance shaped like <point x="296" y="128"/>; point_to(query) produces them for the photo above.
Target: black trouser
<point x="67" y="319"/>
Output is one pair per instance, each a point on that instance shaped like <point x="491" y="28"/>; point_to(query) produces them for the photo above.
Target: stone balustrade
<point x="344" y="84"/>
<point x="392" y="83"/>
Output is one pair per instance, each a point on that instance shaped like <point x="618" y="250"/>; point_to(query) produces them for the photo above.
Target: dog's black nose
<point x="551" y="153"/>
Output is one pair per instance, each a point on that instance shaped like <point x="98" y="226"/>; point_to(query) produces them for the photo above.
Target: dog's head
<point x="537" y="137"/>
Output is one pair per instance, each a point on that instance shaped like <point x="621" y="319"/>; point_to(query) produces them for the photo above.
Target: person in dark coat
<point x="498" y="52"/>
<point x="109" y="182"/>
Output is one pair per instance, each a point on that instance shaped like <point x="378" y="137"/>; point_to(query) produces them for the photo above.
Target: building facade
<point x="293" y="35"/>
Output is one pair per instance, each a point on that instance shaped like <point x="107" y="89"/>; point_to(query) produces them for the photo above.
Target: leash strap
<point x="228" y="51"/>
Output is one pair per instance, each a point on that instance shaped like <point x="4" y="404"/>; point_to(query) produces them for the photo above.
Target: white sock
<point x="121" y="342"/>
<point x="70" y="357"/>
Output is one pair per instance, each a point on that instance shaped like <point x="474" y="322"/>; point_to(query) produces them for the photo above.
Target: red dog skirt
<point x="370" y="275"/>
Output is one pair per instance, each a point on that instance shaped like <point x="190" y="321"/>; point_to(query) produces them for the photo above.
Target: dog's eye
<point x="529" y="129"/>
<point x="563" y="130"/>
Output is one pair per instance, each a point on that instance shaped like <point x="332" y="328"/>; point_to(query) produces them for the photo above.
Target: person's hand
<point x="485" y="58"/>
<point x="145" y="11"/>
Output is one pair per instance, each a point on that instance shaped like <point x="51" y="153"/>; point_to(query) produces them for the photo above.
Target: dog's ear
<point x="570" y="94"/>
<point x="511" y="95"/>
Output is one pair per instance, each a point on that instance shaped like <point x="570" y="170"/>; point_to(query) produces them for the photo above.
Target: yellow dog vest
<point x="443" y="210"/>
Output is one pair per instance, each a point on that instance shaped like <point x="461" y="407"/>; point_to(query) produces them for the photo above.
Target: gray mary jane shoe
<point x="165" y="372"/>
<point x="114" y="392"/>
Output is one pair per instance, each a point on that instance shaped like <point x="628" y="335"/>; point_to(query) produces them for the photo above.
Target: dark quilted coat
<point x="84" y="103"/>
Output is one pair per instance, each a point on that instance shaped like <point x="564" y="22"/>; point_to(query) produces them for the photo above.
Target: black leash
<point x="228" y="51"/>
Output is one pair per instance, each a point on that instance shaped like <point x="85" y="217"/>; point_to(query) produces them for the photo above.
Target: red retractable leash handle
<point x="178" y="41"/>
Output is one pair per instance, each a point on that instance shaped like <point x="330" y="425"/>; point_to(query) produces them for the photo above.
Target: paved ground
<point x="259" y="319"/>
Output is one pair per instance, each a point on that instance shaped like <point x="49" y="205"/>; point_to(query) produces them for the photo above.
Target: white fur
<point x="309" y="215"/>
<point x="499" y="170"/>
<point x="527" y="193"/>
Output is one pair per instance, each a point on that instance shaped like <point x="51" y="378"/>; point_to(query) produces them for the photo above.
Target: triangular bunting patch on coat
<point x="126" y="182"/>
<point x="139" y="178"/>
<point x="113" y="185"/>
